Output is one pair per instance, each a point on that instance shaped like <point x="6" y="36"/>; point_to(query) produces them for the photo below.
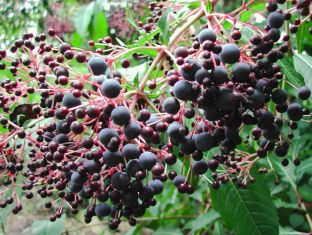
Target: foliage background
<point x="78" y="22"/>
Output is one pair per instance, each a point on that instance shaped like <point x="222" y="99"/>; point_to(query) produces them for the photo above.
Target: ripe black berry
<point x="200" y="167"/>
<point x="230" y="53"/>
<point x="295" y="112"/>
<point x="120" y="115"/>
<point x="110" y="88"/>
<point x="182" y="90"/>
<point x="120" y="181"/>
<point x="70" y="101"/>
<point x="171" y="105"/>
<point x="130" y="151"/>
<point x="275" y="19"/>
<point x="147" y="160"/>
<point x="97" y="65"/>
<point x="206" y="34"/>
<point x="304" y="93"/>
<point x="241" y="72"/>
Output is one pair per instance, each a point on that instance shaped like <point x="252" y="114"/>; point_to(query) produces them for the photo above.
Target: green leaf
<point x="303" y="36"/>
<point x="154" y="96"/>
<point x="246" y="211"/>
<point x="290" y="72"/>
<point x="83" y="18"/>
<point x="169" y="230"/>
<point x="288" y="231"/>
<point x="3" y="130"/>
<point x="144" y="51"/>
<point x="129" y="15"/>
<point x="304" y="167"/>
<point x="303" y="64"/>
<point x="46" y="227"/>
<point x="282" y="204"/>
<point x="120" y="42"/>
<point x="244" y="17"/>
<point x="218" y="228"/>
<point x="136" y="80"/>
<point x="257" y="6"/>
<point x="227" y="24"/>
<point x="208" y="6"/>
<point x="100" y="27"/>
<point x="76" y="40"/>
<point x="5" y="212"/>
<point x="247" y="33"/>
<point x="194" y="5"/>
<point x="164" y="26"/>
<point x="202" y="221"/>
<point x="145" y="38"/>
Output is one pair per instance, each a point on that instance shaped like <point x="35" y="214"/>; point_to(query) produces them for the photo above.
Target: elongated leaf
<point x="153" y="96"/>
<point x="304" y="167"/>
<point x="45" y="227"/>
<point x="288" y="68"/>
<point x="83" y="18"/>
<point x="144" y="51"/>
<point x="129" y="15"/>
<point x="145" y="38"/>
<point x="136" y="80"/>
<point x="164" y="25"/>
<point x="202" y="221"/>
<point x="99" y="26"/>
<point x="246" y="211"/>
<point x="282" y="204"/>
<point x="76" y="40"/>
<point x="303" y="64"/>
<point x="256" y="6"/>
<point x="169" y="230"/>
<point x="303" y="36"/>
<point x="208" y="6"/>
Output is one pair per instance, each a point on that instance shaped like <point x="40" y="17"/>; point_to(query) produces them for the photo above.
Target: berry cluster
<point x="86" y="137"/>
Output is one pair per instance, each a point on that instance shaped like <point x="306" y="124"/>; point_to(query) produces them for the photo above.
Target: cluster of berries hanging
<point x="89" y="138"/>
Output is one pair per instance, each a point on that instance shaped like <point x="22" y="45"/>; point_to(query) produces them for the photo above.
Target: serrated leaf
<point x="303" y="64"/>
<point x="83" y="18"/>
<point x="246" y="211"/>
<point x="164" y="26"/>
<point x="290" y="72"/>
<point x="46" y="227"/>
